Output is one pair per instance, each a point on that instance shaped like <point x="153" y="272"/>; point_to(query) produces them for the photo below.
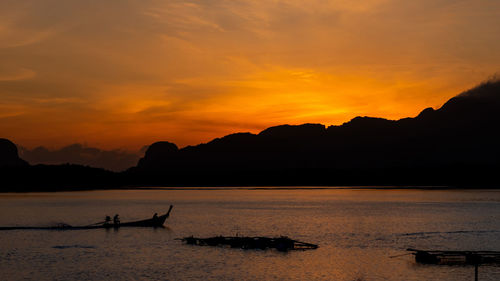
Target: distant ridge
<point x="456" y="145"/>
<point x="16" y="175"/>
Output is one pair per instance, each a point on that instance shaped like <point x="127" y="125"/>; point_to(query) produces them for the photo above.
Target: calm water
<point x="357" y="230"/>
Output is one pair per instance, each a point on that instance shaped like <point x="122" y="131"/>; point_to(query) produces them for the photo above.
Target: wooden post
<point x="475" y="272"/>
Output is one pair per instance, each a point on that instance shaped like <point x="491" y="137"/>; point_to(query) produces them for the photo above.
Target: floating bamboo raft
<point x="455" y="257"/>
<point x="282" y="243"/>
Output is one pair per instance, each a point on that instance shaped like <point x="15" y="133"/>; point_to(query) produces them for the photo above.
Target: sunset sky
<point x="126" y="73"/>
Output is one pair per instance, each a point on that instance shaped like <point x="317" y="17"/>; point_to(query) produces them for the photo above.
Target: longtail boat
<point x="152" y="222"/>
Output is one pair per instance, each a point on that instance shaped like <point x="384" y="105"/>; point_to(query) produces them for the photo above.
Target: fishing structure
<point x="281" y="243"/>
<point x="475" y="258"/>
<point x="455" y="257"/>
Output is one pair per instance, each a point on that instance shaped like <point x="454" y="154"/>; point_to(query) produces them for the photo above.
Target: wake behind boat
<point x="155" y="221"/>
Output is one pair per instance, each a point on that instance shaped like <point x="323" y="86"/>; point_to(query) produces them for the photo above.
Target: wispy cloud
<point x="124" y="73"/>
<point x="16" y="74"/>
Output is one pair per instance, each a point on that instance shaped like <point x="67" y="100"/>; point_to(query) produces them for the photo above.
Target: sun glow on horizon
<point x="121" y="74"/>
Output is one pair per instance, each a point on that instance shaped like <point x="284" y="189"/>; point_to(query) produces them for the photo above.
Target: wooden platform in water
<point x="282" y="243"/>
<point x="455" y="257"/>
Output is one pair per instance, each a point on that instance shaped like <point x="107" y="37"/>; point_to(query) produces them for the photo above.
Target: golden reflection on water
<point x="357" y="230"/>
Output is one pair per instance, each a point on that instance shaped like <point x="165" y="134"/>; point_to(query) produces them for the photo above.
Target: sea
<point x="362" y="233"/>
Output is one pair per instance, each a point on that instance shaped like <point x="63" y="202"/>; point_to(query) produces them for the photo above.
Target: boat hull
<point x="152" y="222"/>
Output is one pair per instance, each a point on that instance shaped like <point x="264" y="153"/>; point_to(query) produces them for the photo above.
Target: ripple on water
<point x="357" y="232"/>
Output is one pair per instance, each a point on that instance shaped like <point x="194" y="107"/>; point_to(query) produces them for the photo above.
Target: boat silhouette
<point x="158" y="221"/>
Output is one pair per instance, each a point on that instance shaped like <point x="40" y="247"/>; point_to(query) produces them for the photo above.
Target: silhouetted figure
<point x="155" y="217"/>
<point x="116" y="220"/>
<point x="107" y="220"/>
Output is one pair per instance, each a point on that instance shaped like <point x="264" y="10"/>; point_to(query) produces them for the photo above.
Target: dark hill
<point x="16" y="175"/>
<point x="456" y="144"/>
<point x="9" y="155"/>
<point x="39" y="178"/>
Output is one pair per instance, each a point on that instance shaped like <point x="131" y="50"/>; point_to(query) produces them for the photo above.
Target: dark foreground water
<point x="357" y="230"/>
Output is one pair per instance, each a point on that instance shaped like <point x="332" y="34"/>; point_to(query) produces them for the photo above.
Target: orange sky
<point x="126" y="73"/>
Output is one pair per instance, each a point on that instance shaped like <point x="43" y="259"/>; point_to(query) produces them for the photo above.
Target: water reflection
<point x="357" y="230"/>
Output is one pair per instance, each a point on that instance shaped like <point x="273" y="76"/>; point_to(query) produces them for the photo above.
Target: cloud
<point x="15" y="74"/>
<point x="124" y="73"/>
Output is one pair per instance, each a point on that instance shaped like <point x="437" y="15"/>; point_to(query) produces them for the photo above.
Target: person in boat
<point x="107" y="220"/>
<point x="116" y="220"/>
<point x="155" y="217"/>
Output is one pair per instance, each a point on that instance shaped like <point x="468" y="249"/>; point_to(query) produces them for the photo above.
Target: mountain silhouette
<point x="9" y="155"/>
<point x="16" y="175"/>
<point x="114" y="160"/>
<point x="456" y="144"/>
